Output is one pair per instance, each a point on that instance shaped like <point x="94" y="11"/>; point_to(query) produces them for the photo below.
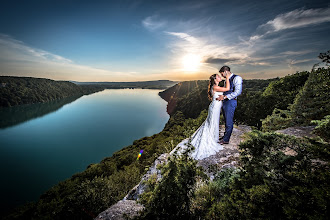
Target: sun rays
<point x="191" y="62"/>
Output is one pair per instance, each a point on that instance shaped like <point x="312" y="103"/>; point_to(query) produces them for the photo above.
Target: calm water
<point x="42" y="144"/>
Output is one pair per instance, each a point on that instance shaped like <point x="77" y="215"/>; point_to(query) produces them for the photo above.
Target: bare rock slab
<point x="122" y="210"/>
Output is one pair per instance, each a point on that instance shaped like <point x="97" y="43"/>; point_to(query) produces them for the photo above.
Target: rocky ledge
<point x="228" y="157"/>
<point x="299" y="131"/>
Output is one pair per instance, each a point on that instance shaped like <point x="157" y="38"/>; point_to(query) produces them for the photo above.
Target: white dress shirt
<point x="238" y="82"/>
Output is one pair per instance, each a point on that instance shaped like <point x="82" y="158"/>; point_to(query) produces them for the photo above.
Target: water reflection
<point x="62" y="137"/>
<point x="15" y="115"/>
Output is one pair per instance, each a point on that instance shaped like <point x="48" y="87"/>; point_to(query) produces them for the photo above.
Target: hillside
<point x="282" y="175"/>
<point x="190" y="98"/>
<point x="157" y="84"/>
<point x="27" y="90"/>
<point x="267" y="183"/>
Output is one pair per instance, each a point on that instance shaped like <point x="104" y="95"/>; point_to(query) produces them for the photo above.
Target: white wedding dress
<point x="205" y="138"/>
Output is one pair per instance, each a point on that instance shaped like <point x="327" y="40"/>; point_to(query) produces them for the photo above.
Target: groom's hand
<point x="220" y="98"/>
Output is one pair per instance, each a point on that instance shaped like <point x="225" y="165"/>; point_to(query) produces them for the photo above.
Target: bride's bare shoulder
<point x="217" y="88"/>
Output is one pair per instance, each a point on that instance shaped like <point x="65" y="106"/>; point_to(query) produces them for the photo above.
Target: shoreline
<point x="13" y="208"/>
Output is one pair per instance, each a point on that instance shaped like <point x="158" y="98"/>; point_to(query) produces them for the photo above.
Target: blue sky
<point x="136" y="40"/>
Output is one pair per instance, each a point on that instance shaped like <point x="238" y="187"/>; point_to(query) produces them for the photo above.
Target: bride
<point x="205" y="138"/>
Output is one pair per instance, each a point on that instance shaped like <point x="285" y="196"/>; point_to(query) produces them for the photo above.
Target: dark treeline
<point x="190" y="98"/>
<point x="258" y="99"/>
<point x="27" y="90"/>
<point x="157" y="84"/>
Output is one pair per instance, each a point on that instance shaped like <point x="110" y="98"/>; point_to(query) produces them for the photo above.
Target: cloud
<point x="211" y="53"/>
<point x="270" y="49"/>
<point x="219" y="60"/>
<point x="19" y="59"/>
<point x="151" y="23"/>
<point x="294" y="19"/>
<point x="294" y="62"/>
<point x="184" y="36"/>
<point x="8" y="43"/>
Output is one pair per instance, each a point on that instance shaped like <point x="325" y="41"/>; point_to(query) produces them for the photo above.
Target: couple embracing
<point x="223" y="99"/>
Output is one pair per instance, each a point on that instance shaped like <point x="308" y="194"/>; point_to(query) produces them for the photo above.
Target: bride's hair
<point x="211" y="83"/>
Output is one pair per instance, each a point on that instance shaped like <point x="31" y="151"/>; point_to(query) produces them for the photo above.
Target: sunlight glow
<point x="191" y="62"/>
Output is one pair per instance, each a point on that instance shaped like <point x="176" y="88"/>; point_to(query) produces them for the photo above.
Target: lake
<point x="45" y="143"/>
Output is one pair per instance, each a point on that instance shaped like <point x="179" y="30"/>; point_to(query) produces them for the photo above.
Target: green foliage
<point x="209" y="193"/>
<point x="27" y="90"/>
<point x="100" y="193"/>
<point x="254" y="106"/>
<point x="323" y="128"/>
<point x="190" y="98"/>
<point x="270" y="184"/>
<point x="283" y="91"/>
<point x="325" y="57"/>
<point x="312" y="102"/>
<point x="171" y="198"/>
<point x="309" y="104"/>
<point x="103" y="184"/>
<point x="275" y="184"/>
<point x="183" y="89"/>
<point x="258" y="99"/>
<point x="278" y="120"/>
<point x="156" y="84"/>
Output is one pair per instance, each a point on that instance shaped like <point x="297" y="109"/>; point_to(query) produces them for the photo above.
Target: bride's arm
<point x="222" y="89"/>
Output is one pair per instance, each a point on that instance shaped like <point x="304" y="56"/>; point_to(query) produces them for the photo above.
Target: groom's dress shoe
<point x="223" y="142"/>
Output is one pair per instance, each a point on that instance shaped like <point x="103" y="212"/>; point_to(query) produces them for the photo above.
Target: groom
<point x="229" y="101"/>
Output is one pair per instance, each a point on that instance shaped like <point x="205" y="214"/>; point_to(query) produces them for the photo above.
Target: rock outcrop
<point x="298" y="131"/>
<point x="228" y="157"/>
<point x="122" y="210"/>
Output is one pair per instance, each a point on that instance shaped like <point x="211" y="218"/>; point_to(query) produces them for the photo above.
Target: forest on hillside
<point x="156" y="84"/>
<point x="28" y="90"/>
<point x="268" y="184"/>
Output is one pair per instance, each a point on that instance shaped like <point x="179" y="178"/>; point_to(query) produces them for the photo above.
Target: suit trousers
<point x="228" y="109"/>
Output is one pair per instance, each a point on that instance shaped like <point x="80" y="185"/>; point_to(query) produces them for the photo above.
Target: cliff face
<point x="180" y="90"/>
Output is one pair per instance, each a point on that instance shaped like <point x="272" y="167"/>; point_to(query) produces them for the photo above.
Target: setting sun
<point x="191" y="62"/>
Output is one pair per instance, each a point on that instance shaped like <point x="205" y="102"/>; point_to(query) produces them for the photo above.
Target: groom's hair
<point x="224" y="68"/>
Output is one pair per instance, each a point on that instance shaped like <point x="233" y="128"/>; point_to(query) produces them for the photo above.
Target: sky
<point x="142" y="40"/>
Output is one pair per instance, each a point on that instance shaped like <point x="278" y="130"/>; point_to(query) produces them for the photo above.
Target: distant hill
<point x="157" y="84"/>
<point x="27" y="90"/>
<point x="16" y="90"/>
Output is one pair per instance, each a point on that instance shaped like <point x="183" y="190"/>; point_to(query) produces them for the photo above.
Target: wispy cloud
<point x="19" y="59"/>
<point x="10" y="45"/>
<point x="184" y="36"/>
<point x="152" y="23"/>
<point x="271" y="53"/>
<point x="294" y="19"/>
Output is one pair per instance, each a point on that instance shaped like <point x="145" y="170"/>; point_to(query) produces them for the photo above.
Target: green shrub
<point x="171" y="198"/>
<point x="209" y="193"/>
<point x="323" y="128"/>
<point x="278" y="120"/>
<point x="275" y="184"/>
<point x="312" y="102"/>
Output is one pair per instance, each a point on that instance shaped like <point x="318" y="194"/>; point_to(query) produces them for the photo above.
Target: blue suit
<point x="230" y="104"/>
